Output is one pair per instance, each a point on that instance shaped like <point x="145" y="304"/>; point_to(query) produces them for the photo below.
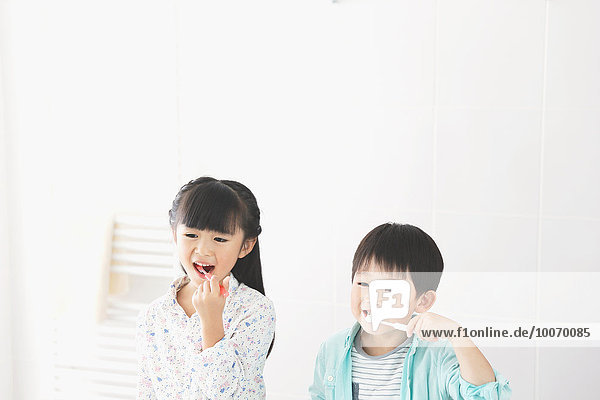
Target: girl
<point x="209" y="335"/>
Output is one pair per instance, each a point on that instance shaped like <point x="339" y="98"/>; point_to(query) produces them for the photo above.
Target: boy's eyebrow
<point x="380" y="275"/>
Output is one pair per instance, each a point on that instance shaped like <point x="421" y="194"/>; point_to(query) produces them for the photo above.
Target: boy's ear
<point x="174" y="236"/>
<point x="247" y="247"/>
<point x="425" y="301"/>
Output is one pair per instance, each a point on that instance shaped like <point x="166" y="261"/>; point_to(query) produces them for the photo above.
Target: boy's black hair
<point x="401" y="248"/>
<point x="223" y="206"/>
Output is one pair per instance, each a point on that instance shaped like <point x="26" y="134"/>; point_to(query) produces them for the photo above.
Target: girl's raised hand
<point x="209" y="303"/>
<point x="209" y="300"/>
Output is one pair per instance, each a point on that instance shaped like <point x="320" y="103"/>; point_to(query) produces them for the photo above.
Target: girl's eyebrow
<point x="219" y="232"/>
<point x="207" y="230"/>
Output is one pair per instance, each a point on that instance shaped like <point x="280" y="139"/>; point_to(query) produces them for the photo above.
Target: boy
<point x="386" y="363"/>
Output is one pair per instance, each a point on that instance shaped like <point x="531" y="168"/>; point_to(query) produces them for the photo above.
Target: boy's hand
<point x="431" y="321"/>
<point x="209" y="304"/>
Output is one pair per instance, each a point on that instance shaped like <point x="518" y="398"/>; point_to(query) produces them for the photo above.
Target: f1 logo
<point x="391" y="297"/>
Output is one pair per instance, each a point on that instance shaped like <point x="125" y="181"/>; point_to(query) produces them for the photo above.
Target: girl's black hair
<point x="401" y="248"/>
<point x="223" y="206"/>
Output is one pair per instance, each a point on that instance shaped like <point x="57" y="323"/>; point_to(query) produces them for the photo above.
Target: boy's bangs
<point x="385" y="249"/>
<point x="213" y="207"/>
<point x="377" y="262"/>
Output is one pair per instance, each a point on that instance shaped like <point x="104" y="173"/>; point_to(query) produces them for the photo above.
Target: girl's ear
<point x="174" y="232"/>
<point x="247" y="247"/>
<point x="425" y="301"/>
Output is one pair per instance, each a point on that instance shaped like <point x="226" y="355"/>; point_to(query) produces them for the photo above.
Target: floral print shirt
<point x="172" y="364"/>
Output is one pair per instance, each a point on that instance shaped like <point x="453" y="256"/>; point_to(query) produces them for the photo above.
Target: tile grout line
<point x="510" y="215"/>
<point x="435" y="118"/>
<point x="335" y="286"/>
<point x="8" y="161"/>
<point x="487" y="214"/>
<point x="176" y="12"/>
<point x="536" y="377"/>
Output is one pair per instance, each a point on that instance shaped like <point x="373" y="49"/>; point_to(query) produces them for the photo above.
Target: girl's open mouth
<point x="204" y="269"/>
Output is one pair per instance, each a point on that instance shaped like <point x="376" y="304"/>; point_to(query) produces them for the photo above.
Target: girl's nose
<point x="203" y="248"/>
<point x="202" y="251"/>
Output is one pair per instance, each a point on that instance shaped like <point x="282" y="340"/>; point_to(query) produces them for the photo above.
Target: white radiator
<point x="141" y="268"/>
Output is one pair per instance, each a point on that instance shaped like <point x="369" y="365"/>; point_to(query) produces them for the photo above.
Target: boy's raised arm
<point x="474" y="367"/>
<point x="466" y="371"/>
<point x="457" y="387"/>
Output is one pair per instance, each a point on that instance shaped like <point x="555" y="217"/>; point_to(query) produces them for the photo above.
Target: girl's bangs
<point x="212" y="206"/>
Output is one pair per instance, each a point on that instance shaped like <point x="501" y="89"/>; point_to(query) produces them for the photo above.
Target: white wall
<point x="6" y="370"/>
<point x="477" y="121"/>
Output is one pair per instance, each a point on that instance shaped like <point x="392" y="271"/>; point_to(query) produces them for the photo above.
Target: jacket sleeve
<point x="316" y="390"/>
<point x="233" y="367"/>
<point x="457" y="388"/>
<point x="145" y="391"/>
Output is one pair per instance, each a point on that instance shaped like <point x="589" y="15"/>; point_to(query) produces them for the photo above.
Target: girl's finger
<point x="224" y="287"/>
<point x="226" y="283"/>
<point x="214" y="284"/>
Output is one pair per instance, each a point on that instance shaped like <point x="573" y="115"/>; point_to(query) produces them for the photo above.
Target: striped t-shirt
<point x="377" y="377"/>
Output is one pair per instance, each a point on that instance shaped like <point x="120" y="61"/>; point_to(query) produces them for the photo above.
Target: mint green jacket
<point x="430" y="372"/>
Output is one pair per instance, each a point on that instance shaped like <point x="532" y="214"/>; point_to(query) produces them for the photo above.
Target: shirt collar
<point x="351" y="335"/>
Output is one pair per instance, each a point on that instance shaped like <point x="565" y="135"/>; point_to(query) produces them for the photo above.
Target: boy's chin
<point x="368" y="328"/>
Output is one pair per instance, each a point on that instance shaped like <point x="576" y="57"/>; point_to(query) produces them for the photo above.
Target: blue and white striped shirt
<point x="377" y="377"/>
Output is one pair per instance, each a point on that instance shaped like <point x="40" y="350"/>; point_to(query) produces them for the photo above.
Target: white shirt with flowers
<point x="172" y="364"/>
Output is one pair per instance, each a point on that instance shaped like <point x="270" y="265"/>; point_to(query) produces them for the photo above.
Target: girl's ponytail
<point x="249" y="269"/>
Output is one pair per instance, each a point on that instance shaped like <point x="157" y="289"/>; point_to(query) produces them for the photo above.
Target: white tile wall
<point x="497" y="296"/>
<point x="6" y="307"/>
<point x="487" y="243"/>
<point x="570" y="245"/>
<point x="358" y="45"/>
<point x="343" y="316"/>
<point x="289" y="369"/>
<point x="488" y="161"/>
<point x="573" y="60"/>
<point x="309" y="261"/>
<point x="390" y="169"/>
<point x="470" y="119"/>
<point x="490" y="53"/>
<point x="575" y="368"/>
<point x="571" y="153"/>
<point x="570" y="297"/>
<point x="91" y="90"/>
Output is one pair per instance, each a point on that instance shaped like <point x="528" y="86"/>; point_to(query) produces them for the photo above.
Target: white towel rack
<point x="140" y="269"/>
